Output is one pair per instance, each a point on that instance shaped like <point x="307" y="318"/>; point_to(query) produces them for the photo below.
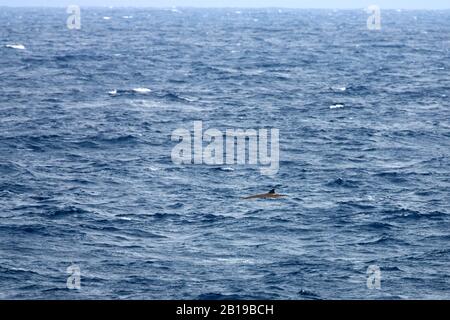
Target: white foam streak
<point x="16" y="46"/>
<point x="142" y="90"/>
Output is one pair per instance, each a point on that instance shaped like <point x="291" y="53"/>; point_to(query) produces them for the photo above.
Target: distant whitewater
<point x="15" y="46"/>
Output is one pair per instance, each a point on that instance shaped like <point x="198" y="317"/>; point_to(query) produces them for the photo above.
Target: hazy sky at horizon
<point x="343" y="4"/>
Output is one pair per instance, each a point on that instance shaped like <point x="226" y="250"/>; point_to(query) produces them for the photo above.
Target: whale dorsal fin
<point x="272" y="191"/>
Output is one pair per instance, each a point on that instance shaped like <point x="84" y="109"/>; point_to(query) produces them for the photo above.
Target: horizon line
<point x="224" y="7"/>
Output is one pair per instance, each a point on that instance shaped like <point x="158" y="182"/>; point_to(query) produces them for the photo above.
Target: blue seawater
<point x="86" y="176"/>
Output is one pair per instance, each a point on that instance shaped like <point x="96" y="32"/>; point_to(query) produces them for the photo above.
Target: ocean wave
<point x="34" y="229"/>
<point x="137" y="90"/>
<point x="226" y="169"/>
<point x="176" y="97"/>
<point x="385" y="239"/>
<point x="392" y="176"/>
<point x="408" y="214"/>
<point x="219" y="296"/>
<point x="62" y="212"/>
<point x="15" y="271"/>
<point x="176" y="205"/>
<point x="141" y="90"/>
<point x="337" y="106"/>
<point x="343" y="183"/>
<point x="377" y="226"/>
<point x="166" y="215"/>
<point x="100" y="140"/>
<point x="16" y="46"/>
<point x="85" y="155"/>
<point x="357" y="204"/>
<point x="339" y="88"/>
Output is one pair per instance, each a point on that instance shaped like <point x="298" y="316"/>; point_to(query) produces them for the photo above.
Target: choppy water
<point x="87" y="178"/>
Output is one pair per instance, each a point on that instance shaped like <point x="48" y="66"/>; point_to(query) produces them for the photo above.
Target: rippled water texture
<point x="86" y="175"/>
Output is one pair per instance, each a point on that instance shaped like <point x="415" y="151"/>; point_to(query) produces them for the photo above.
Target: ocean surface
<point x="86" y="176"/>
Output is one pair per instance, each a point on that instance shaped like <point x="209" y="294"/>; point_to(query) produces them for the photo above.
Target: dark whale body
<point x="269" y="195"/>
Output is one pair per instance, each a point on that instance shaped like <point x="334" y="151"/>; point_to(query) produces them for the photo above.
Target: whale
<point x="269" y="195"/>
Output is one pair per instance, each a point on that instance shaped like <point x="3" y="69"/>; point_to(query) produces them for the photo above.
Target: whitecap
<point x="142" y="90"/>
<point x="337" y="105"/>
<point x="127" y="17"/>
<point x="113" y="92"/>
<point x="227" y="169"/>
<point x="339" y="88"/>
<point x="17" y="46"/>
<point x="106" y="18"/>
<point x="253" y="72"/>
<point x="189" y="99"/>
